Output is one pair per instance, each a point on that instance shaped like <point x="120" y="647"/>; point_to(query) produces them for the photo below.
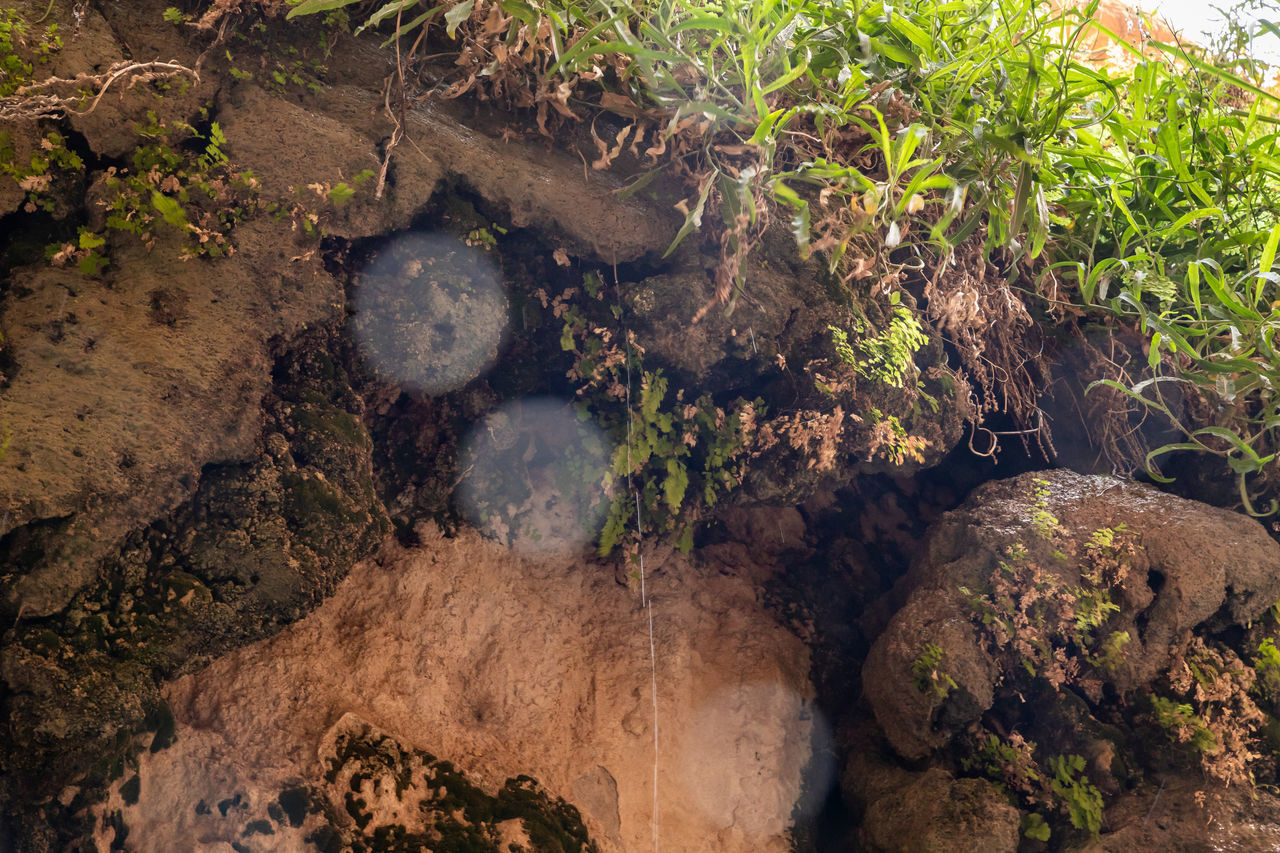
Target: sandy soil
<point x="507" y="666"/>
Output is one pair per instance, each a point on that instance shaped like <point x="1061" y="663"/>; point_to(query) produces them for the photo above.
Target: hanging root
<point x="57" y="97"/>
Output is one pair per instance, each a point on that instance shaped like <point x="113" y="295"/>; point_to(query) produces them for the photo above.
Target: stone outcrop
<point x="505" y="667"/>
<point x="259" y="545"/>
<point x="1195" y="568"/>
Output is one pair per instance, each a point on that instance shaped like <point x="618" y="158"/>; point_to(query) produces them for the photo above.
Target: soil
<point x="508" y="666"/>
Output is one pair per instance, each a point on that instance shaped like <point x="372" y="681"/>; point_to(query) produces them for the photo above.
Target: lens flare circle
<point x="755" y="757"/>
<point x="533" y="476"/>
<point x="430" y="312"/>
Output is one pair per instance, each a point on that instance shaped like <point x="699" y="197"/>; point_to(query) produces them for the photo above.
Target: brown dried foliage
<point x="1217" y="685"/>
<point x="998" y="341"/>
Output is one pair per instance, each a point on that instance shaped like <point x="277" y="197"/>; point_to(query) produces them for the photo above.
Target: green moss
<point x="461" y="818"/>
<point x="333" y="423"/>
<point x="312" y="495"/>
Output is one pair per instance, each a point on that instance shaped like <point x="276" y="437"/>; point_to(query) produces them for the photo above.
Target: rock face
<point x="1192" y="567"/>
<point x="123" y="389"/>
<point x="259" y="544"/>
<point x="505" y="667"/>
<point x="933" y="813"/>
<point x="187" y="468"/>
<point x="1179" y="816"/>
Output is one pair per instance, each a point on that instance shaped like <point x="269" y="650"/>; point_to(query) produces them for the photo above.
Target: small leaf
<point x="170" y="209"/>
<point x="894" y="237"/>
<point x="674" y="485"/>
<point x="341" y="194"/>
<point x="455" y="16"/>
<point x="311" y="7"/>
<point x="692" y="218"/>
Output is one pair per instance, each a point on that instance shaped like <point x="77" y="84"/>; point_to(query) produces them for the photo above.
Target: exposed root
<point x="48" y="99"/>
<point x="998" y="341"/>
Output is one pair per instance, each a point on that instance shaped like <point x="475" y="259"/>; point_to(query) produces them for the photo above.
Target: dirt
<point x="508" y="666"/>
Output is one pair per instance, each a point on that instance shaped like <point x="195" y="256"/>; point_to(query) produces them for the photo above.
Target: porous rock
<point x="1194" y="567"/>
<point x="508" y="666"/>
<point x="933" y="812"/>
<point x="112" y="411"/>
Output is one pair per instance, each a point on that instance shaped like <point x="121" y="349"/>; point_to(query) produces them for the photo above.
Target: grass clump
<point x="978" y="151"/>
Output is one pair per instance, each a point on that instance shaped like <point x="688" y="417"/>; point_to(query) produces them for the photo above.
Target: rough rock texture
<point x="113" y="406"/>
<point x="376" y="793"/>
<point x="292" y="146"/>
<point x="831" y="420"/>
<point x="113" y="409"/>
<point x="1177" y="814"/>
<point x="912" y="811"/>
<point x="1195" y="567"/>
<point x="504" y="667"/>
<point x="166" y="495"/>
<point x="260" y="544"/>
<point x="932" y="812"/>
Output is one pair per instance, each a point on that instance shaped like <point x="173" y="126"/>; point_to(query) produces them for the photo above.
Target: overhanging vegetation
<point x="973" y="153"/>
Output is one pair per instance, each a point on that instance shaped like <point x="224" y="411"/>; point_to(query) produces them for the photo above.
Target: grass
<point x="974" y="146"/>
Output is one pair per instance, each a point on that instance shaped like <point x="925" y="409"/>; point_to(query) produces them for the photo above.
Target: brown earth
<point x="506" y="666"/>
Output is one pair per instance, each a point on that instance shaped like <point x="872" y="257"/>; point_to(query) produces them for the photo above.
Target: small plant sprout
<point x="1035" y="828"/>
<point x="1044" y="522"/>
<point x="1266" y="664"/>
<point x="1081" y="799"/>
<point x="929" y="677"/>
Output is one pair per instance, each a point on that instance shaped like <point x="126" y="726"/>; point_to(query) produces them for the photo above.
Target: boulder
<point x="933" y="812"/>
<point x="506" y="666"/>
<point x="1190" y="567"/>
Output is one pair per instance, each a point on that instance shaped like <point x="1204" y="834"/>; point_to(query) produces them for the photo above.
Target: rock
<point x="528" y="184"/>
<point x="272" y="539"/>
<point x="112" y="414"/>
<point x="1180" y="816"/>
<point x="505" y="667"/>
<point x="19" y="143"/>
<point x="824" y="419"/>
<point x="1192" y="567"/>
<point x="300" y="154"/>
<point x="259" y="545"/>
<point x="109" y="35"/>
<point x="932" y="812"/>
<point x="919" y="721"/>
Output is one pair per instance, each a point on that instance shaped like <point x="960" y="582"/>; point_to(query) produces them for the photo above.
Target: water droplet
<point x="533" y="476"/>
